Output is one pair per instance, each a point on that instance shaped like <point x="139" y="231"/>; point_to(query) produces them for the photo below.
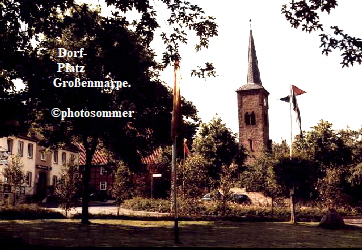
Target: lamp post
<point x="154" y="176"/>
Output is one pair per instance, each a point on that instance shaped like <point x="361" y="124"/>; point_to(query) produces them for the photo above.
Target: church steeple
<point x="253" y="109"/>
<point x="253" y="69"/>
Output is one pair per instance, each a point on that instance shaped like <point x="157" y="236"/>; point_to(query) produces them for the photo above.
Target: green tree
<point x="216" y="143"/>
<point x="66" y="188"/>
<point x="149" y="99"/>
<point x="13" y="172"/>
<point x="296" y="177"/>
<point x="123" y="186"/>
<point x="228" y="179"/>
<point x="353" y="173"/>
<point x="330" y="150"/>
<point x="259" y="176"/>
<point x="116" y="49"/>
<point x="193" y="176"/>
<point x="355" y="180"/>
<point x="306" y="13"/>
<point x="22" y="22"/>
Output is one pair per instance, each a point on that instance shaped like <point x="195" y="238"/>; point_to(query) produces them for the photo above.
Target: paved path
<point x="356" y="221"/>
<point x="112" y="210"/>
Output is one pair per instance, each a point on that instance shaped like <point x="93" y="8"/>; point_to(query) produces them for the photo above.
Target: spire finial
<point x="250" y="23"/>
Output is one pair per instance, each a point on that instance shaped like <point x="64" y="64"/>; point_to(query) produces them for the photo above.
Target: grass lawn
<point x="133" y="233"/>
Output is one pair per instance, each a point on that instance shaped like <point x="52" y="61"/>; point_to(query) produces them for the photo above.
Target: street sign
<point x="156" y="175"/>
<point x="3" y="157"/>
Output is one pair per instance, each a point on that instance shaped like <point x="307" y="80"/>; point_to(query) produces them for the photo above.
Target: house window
<point x="72" y="158"/>
<point x="103" y="185"/>
<point x="103" y="171"/>
<point x="20" y="148"/>
<point x="64" y="158"/>
<point x="55" y="156"/>
<point x="30" y="150"/>
<point x="251" y="146"/>
<point x="55" y="180"/>
<point x="28" y="178"/>
<point x="6" y="180"/>
<point x="10" y="146"/>
<point x="42" y="155"/>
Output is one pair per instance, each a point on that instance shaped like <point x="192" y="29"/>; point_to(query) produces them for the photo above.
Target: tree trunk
<point x="14" y="198"/>
<point x="272" y="206"/>
<point x="86" y="177"/>
<point x="119" y="207"/>
<point x="292" y="206"/>
<point x="86" y="180"/>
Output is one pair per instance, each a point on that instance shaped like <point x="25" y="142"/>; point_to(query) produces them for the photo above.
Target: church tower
<point x="253" y="108"/>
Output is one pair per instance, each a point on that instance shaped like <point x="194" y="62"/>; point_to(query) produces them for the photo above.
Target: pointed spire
<point x="253" y="69"/>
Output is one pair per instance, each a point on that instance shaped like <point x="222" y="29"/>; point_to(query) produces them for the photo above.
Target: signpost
<point x="154" y="176"/>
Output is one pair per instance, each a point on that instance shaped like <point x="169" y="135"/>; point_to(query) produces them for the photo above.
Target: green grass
<point x="135" y="233"/>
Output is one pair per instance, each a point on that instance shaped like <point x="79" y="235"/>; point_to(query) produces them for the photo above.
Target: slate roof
<point x="253" y="77"/>
<point x="253" y="69"/>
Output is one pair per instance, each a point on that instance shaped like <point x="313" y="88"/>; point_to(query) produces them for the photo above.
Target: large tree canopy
<point x="216" y="143"/>
<point x="306" y="13"/>
<point x="116" y="49"/>
<point x="22" y="22"/>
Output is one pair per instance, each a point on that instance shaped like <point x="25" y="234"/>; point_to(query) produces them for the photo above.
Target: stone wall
<point x="254" y="101"/>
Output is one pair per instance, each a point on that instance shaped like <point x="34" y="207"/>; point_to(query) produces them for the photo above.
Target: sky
<point x="286" y="56"/>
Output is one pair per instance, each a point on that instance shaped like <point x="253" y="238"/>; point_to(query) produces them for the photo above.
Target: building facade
<point x="41" y="167"/>
<point x="253" y="109"/>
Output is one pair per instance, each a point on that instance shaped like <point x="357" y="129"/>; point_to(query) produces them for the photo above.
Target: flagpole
<point x="175" y="130"/>
<point x="291" y="122"/>
<point x="174" y="193"/>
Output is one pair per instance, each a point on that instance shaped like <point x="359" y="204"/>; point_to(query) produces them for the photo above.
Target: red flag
<point x="176" y="111"/>
<point x="187" y="152"/>
<point x="297" y="91"/>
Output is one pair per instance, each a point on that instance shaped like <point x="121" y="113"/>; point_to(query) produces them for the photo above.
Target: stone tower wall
<point x="254" y="101"/>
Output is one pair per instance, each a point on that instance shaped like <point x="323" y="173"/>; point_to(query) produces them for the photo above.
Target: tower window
<point x="247" y="119"/>
<point x="266" y="121"/>
<point x="251" y="145"/>
<point x="250" y="118"/>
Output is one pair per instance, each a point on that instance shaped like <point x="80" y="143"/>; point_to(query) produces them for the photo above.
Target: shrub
<point x="28" y="211"/>
<point x="211" y="210"/>
<point x="150" y="205"/>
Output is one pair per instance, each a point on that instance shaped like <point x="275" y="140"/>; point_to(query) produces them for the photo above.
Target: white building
<point x="42" y="167"/>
